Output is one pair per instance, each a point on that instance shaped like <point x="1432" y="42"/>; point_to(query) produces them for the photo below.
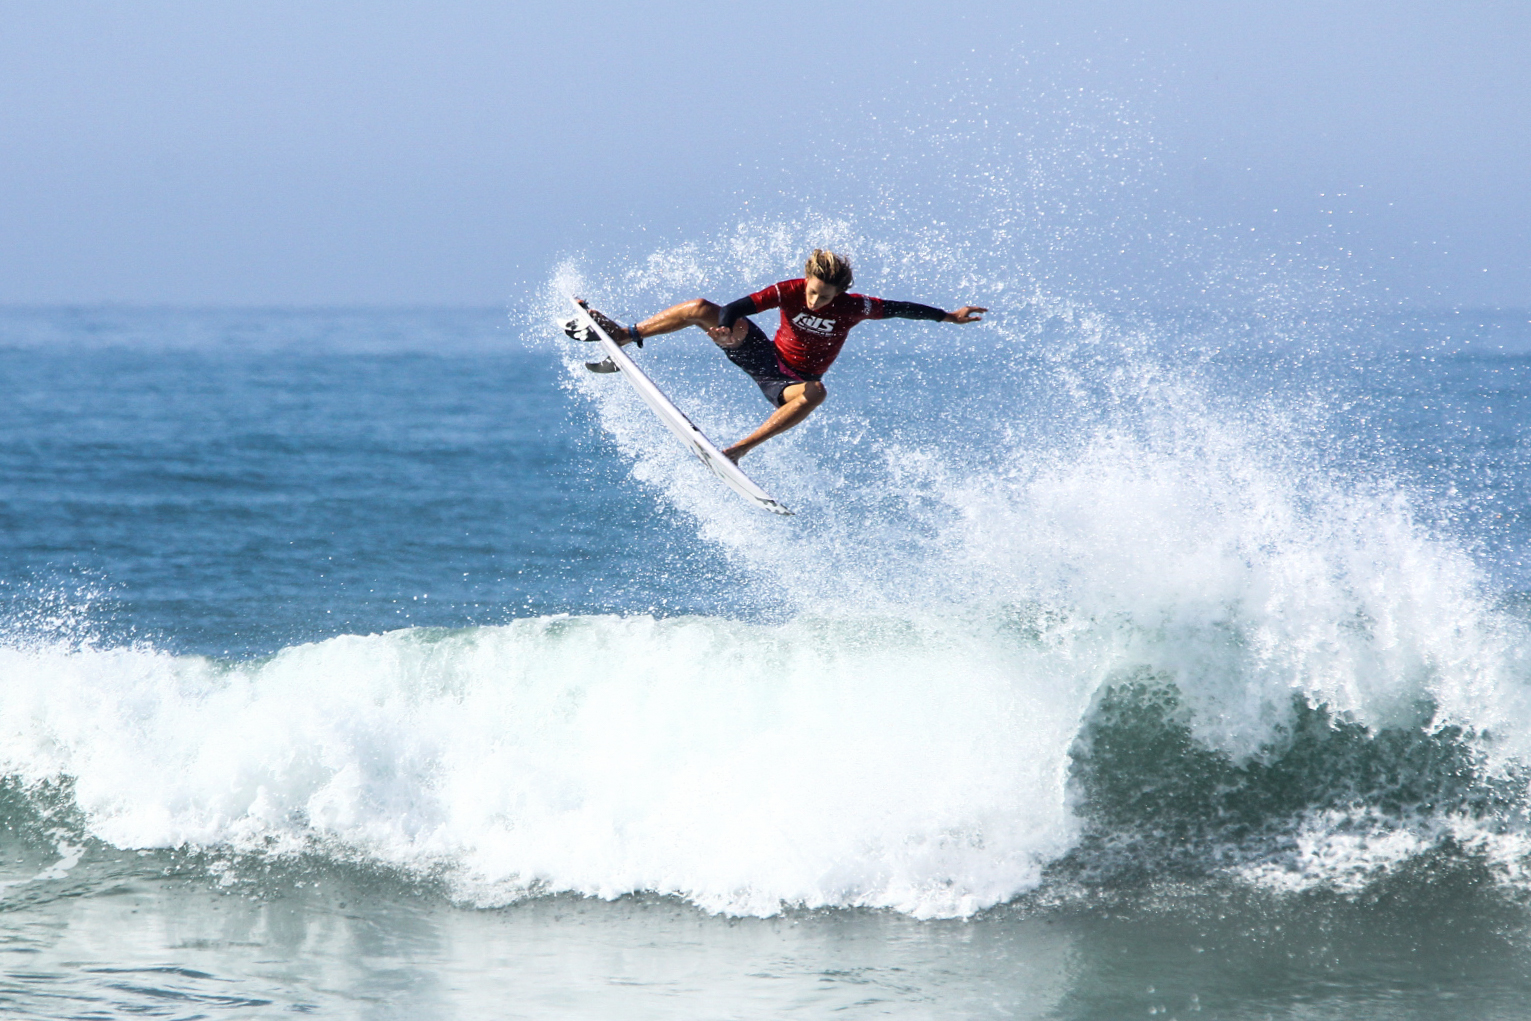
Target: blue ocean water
<point x="387" y="664"/>
<point x="292" y="449"/>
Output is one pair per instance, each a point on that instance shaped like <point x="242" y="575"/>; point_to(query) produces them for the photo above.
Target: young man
<point x="816" y="314"/>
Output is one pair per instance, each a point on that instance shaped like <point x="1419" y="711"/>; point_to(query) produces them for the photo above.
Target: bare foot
<point x="615" y="330"/>
<point x="733" y="454"/>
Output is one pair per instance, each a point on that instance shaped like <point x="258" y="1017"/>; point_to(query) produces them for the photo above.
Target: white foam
<point x="69" y="856"/>
<point x="1347" y="850"/>
<point x="824" y="762"/>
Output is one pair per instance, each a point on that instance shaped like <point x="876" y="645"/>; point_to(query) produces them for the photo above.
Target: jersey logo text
<point x="813" y="323"/>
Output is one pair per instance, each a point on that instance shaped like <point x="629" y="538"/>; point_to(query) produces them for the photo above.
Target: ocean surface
<point x="1118" y="662"/>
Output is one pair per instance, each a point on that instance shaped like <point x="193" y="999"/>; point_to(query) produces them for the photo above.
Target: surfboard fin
<point x="604" y="365"/>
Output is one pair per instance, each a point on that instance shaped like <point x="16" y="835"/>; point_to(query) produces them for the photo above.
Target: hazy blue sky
<point x="337" y="152"/>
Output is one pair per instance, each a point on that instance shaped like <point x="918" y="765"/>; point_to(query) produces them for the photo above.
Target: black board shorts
<point x="757" y="356"/>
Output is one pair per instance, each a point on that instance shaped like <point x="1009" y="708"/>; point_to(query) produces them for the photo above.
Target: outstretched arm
<point x="914" y="310"/>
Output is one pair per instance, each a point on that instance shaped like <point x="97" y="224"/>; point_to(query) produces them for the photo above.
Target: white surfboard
<point x="676" y="421"/>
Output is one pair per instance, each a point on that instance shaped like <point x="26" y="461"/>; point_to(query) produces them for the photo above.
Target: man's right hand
<point x="730" y="336"/>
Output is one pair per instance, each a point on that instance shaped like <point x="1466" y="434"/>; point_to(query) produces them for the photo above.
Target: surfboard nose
<point x="575" y="329"/>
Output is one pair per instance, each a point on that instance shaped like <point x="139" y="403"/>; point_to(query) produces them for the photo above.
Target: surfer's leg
<point x="797" y="403"/>
<point x="696" y="312"/>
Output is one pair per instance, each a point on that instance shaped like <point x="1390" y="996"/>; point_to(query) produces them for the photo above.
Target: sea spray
<point x="1139" y="504"/>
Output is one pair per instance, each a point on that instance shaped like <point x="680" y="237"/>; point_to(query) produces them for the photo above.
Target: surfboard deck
<point x="676" y="421"/>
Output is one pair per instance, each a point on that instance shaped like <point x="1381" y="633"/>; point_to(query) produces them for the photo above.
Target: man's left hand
<point x="966" y="314"/>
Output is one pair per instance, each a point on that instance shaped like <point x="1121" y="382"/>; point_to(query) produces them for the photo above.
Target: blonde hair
<point x="833" y="269"/>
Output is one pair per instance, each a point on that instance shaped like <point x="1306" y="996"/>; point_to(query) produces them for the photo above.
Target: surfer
<point x="816" y="314"/>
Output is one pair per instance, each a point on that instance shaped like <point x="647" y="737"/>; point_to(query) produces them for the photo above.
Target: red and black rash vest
<point x="809" y="340"/>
